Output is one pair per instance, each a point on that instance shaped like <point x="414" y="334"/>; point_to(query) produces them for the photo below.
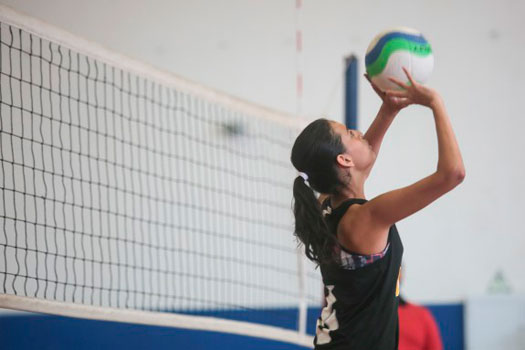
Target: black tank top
<point x="361" y="304"/>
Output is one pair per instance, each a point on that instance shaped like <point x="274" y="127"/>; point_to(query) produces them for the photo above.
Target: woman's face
<point x="357" y="148"/>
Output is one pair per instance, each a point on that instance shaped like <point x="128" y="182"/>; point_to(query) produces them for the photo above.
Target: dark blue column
<point x="351" y="72"/>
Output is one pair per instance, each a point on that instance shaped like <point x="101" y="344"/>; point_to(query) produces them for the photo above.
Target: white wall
<point x="495" y="322"/>
<point x="247" y="48"/>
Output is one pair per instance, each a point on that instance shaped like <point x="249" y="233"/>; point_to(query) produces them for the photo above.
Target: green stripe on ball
<point x="396" y="45"/>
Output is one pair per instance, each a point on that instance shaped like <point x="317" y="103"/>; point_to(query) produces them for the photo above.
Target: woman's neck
<point x="353" y="188"/>
<point x="346" y="193"/>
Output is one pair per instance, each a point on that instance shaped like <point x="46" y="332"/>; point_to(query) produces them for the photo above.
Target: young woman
<point x="355" y="240"/>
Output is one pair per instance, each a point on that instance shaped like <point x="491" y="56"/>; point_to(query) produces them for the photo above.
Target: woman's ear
<point x="344" y="161"/>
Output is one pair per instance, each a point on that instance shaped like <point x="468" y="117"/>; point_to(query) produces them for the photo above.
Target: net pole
<point x="303" y="305"/>
<point x="301" y="264"/>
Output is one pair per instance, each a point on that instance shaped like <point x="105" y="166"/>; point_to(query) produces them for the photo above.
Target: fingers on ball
<point x="409" y="76"/>
<point x="398" y="82"/>
<point x="396" y="93"/>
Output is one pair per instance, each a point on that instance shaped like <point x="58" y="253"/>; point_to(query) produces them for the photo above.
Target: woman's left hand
<point x="392" y="104"/>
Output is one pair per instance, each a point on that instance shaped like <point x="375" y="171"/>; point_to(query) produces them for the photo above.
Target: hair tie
<point x="304" y="176"/>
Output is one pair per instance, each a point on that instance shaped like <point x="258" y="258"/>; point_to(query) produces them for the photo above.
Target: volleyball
<point x="393" y="49"/>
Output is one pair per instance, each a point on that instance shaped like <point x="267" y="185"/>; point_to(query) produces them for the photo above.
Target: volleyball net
<point x="130" y="194"/>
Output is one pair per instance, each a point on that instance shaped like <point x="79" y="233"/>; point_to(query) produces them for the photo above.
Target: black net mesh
<point x="119" y="191"/>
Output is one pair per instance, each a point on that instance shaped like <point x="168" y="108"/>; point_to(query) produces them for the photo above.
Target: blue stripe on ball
<point x="376" y="51"/>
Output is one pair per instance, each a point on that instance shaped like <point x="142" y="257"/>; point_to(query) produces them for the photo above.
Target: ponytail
<point x="310" y="227"/>
<point x="314" y="154"/>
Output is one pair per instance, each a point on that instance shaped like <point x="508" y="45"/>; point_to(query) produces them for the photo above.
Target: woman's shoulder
<point x="357" y="230"/>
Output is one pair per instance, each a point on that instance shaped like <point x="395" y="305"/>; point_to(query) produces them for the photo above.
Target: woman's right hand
<point x="414" y="92"/>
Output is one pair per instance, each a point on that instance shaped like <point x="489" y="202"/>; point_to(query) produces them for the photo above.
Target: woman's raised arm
<point x="390" y="207"/>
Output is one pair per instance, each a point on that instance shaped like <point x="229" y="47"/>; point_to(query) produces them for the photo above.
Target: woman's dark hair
<point x="314" y="153"/>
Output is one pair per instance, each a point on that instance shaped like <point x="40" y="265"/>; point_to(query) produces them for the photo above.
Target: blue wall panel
<point x="54" y="332"/>
<point x="450" y="320"/>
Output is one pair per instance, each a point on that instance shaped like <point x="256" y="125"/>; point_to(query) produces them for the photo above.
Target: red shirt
<point x="417" y="329"/>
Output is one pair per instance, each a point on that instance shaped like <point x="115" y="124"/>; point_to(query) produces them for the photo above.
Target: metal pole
<point x="303" y="305"/>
